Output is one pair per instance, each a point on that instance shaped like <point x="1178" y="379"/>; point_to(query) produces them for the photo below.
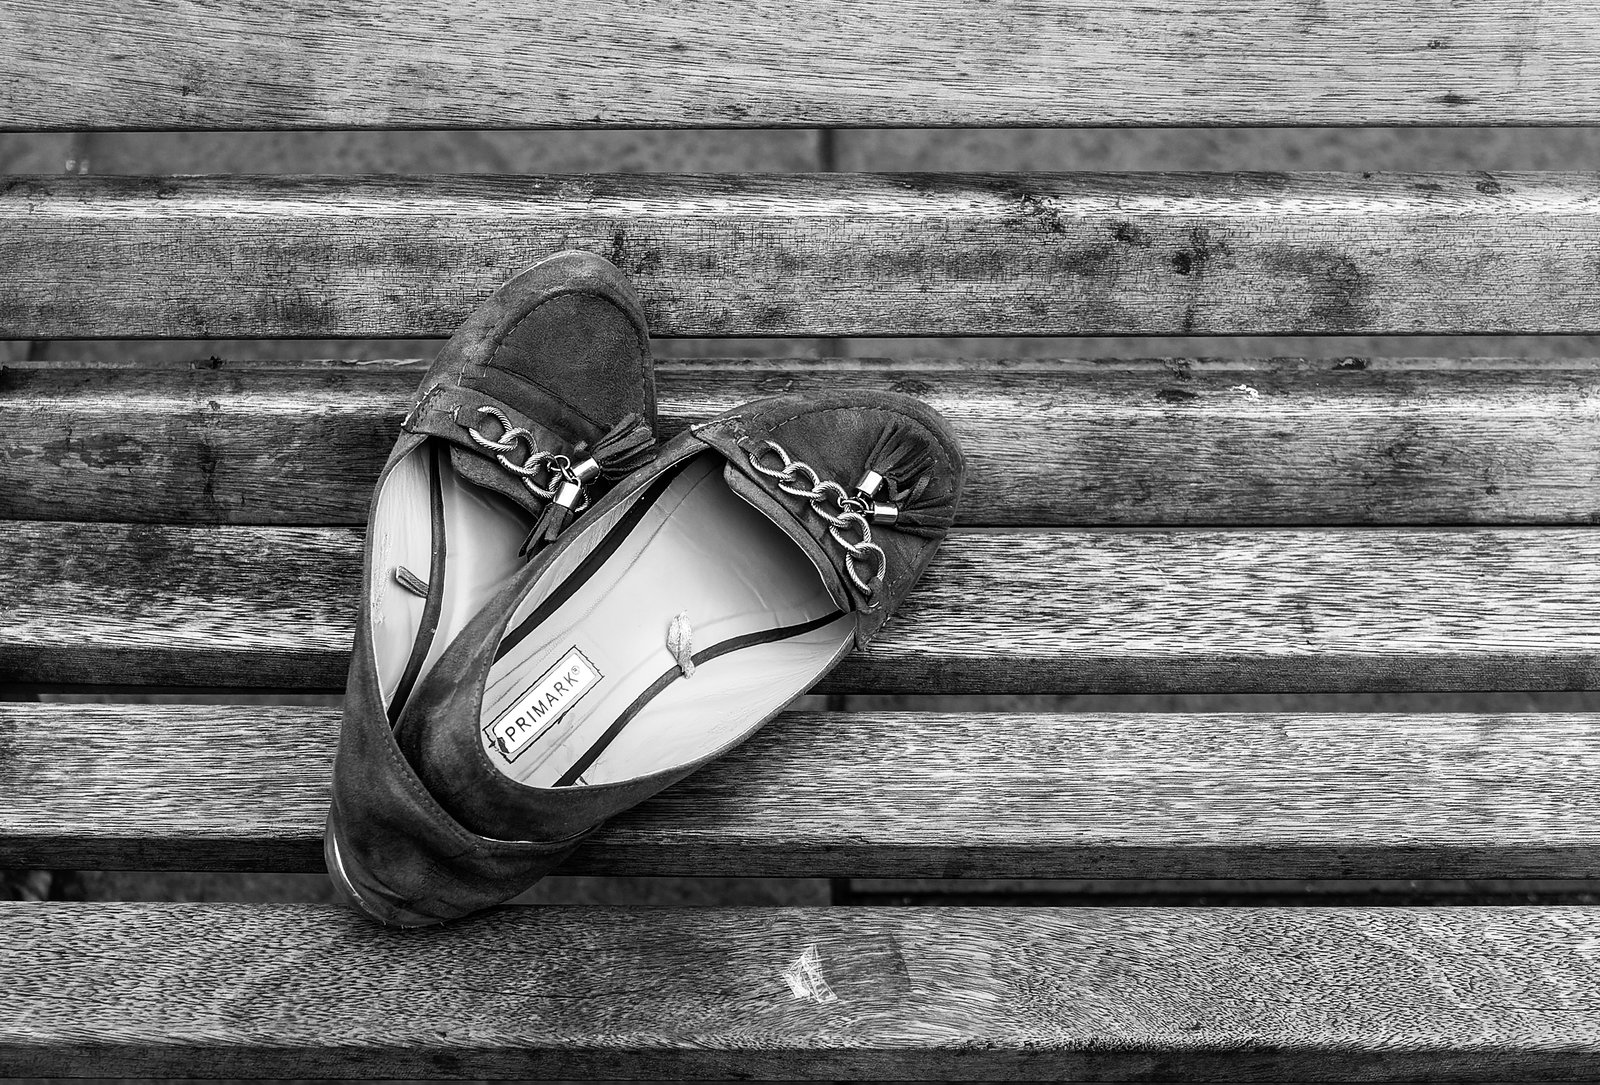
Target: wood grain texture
<point x="1164" y="442"/>
<point x="998" y="612"/>
<point x="1137" y="795"/>
<point x="830" y="254"/>
<point x="886" y="63"/>
<point x="300" y="991"/>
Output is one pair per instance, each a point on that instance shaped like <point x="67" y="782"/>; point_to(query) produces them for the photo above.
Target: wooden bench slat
<point x="998" y="612"/>
<point x="1170" y="441"/>
<point x="887" y="63"/>
<point x="831" y="254"/>
<point x="949" y="993"/>
<point x="879" y="794"/>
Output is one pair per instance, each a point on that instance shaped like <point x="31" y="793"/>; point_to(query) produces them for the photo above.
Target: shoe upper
<point x="555" y="363"/>
<point x="444" y="843"/>
<point x="561" y="351"/>
<point x="801" y="458"/>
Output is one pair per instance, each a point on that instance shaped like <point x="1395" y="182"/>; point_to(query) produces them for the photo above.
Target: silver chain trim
<point x="798" y="478"/>
<point x="534" y="461"/>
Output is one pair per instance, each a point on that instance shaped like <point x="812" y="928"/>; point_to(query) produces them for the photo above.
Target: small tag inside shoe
<point x="542" y="705"/>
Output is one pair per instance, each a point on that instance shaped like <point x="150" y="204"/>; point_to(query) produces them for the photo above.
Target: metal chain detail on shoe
<point x="798" y="478"/>
<point x="558" y="468"/>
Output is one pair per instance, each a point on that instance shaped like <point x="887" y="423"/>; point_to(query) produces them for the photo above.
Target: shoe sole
<point x="344" y="885"/>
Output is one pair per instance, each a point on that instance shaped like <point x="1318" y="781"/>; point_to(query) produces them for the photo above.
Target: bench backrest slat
<point x="842" y="254"/>
<point x="774" y="63"/>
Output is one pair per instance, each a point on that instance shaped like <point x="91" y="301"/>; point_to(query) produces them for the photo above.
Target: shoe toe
<point x="581" y="337"/>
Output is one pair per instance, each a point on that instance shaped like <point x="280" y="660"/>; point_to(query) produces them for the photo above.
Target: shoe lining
<point x="427" y="512"/>
<point x="758" y="612"/>
<point x="432" y="588"/>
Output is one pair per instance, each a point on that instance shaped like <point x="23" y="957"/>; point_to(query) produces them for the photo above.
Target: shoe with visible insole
<point x="543" y="397"/>
<point x="699" y="598"/>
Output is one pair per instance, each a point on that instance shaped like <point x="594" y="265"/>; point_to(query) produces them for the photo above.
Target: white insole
<point x="699" y="555"/>
<point x="483" y="533"/>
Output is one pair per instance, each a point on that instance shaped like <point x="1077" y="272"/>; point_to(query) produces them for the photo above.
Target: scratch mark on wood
<point x="805" y="978"/>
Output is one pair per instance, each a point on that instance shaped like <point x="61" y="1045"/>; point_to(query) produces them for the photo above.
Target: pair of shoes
<point x="559" y="618"/>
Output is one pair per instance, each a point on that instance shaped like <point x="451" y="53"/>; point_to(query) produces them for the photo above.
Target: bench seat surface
<point x="1049" y="442"/>
<point x="1163" y="527"/>
<point x="864" y="793"/>
<point x="1173" y="606"/>
<point x="1092" y="993"/>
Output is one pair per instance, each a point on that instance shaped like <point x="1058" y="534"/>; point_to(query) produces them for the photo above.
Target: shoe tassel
<point x="625" y="448"/>
<point x="900" y="456"/>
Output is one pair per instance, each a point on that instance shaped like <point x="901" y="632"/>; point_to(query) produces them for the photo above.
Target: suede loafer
<point x="694" y="602"/>
<point x="543" y="398"/>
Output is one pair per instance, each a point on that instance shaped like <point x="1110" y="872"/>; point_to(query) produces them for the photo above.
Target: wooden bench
<point x="1175" y="526"/>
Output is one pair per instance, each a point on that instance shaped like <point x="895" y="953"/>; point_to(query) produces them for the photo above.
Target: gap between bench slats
<point x="1169" y="441"/>
<point x="1205" y="892"/>
<point x="1060" y="611"/>
<point x="769" y="63"/>
<point x="1083" y="993"/>
<point x="906" y="794"/>
<point x="829" y="254"/>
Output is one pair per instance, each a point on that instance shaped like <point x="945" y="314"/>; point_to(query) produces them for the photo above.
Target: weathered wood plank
<point x="833" y="254"/>
<point x="999" y="611"/>
<point x="1081" y="993"/>
<point x="1175" y="441"/>
<point x="888" y="63"/>
<point x="1140" y="795"/>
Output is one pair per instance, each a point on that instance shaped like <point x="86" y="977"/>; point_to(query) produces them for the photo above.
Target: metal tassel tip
<point x="870" y="484"/>
<point x="567" y="495"/>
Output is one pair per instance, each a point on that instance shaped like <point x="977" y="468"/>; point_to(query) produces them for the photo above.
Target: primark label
<point x="544" y="703"/>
